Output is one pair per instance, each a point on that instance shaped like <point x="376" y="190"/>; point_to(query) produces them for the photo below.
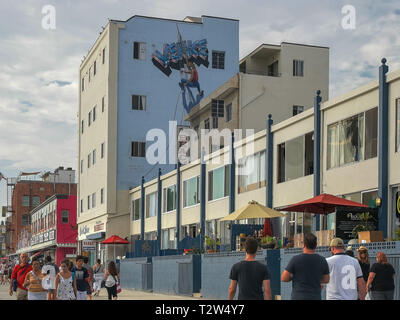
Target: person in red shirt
<point x="19" y="273"/>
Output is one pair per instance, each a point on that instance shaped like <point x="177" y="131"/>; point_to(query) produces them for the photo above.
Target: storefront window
<point x="369" y="198"/>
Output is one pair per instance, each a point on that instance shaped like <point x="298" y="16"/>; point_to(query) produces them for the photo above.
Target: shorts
<point x="51" y="290"/>
<point x="81" y="295"/>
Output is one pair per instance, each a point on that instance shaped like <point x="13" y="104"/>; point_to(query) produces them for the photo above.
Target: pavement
<point x="126" y="294"/>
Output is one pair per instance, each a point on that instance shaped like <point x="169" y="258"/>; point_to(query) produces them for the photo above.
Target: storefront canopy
<point x="322" y="204"/>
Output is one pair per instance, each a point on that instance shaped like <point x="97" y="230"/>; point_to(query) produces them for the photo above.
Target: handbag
<point x="117" y="284"/>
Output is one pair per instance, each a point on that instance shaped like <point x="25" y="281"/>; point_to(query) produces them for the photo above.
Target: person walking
<point x="33" y="282"/>
<point x="18" y="277"/>
<point x="50" y="270"/>
<point x="251" y="275"/>
<point x="83" y="283"/>
<point x="65" y="284"/>
<point x="381" y="279"/>
<point x="2" y="269"/>
<point x="349" y="251"/>
<point x="346" y="277"/>
<point x="307" y="271"/>
<point x="98" y="276"/>
<point x="363" y="260"/>
<point x="112" y="279"/>
<point x="6" y="273"/>
<point x="89" y="269"/>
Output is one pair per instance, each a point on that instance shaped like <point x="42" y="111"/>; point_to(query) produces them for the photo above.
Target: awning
<point x="36" y="254"/>
<point x="95" y="236"/>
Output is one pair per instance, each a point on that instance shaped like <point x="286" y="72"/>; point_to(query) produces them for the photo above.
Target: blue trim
<point x="178" y="202"/>
<point x="269" y="158"/>
<point x="317" y="151"/>
<point x="232" y="177"/>
<point x="383" y="146"/>
<point x="95" y="236"/>
<point x="202" y="201"/>
<point x="159" y="202"/>
<point x="142" y="211"/>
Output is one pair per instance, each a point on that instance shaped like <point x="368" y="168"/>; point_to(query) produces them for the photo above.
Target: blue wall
<point x="162" y="92"/>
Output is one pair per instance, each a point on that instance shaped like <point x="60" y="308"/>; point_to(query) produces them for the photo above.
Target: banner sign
<point x="348" y="218"/>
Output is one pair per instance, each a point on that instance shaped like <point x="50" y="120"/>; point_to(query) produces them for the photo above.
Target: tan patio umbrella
<point x="253" y="210"/>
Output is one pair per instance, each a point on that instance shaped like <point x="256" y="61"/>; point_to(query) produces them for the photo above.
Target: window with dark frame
<point x="94" y="113"/>
<point x="102" y="150"/>
<point x="102" y="195"/>
<point x="104" y="55"/>
<point x="82" y="125"/>
<point x="229" y="112"/>
<point x="298" y="68"/>
<point x="217" y="108"/>
<point x="89" y="118"/>
<point x="138" y="149"/>
<point x="83" y="84"/>
<point x="207" y="123"/>
<point x="94" y="68"/>
<point x="215" y="122"/>
<point x="64" y="216"/>
<point x="103" y="105"/>
<point x="297" y="110"/>
<point x="138" y="102"/>
<point x="139" y="50"/>
<point x="218" y="59"/>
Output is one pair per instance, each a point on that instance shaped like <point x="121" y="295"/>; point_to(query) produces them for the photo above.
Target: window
<point x="25" y="220"/>
<point x="218" y="60"/>
<point x="191" y="192"/>
<point x="94" y="68"/>
<point x="94" y="200"/>
<point x="217" y="108"/>
<point x="94" y="113"/>
<point x="151" y="205"/>
<point x="138" y="149"/>
<point x="64" y="216"/>
<point x="81" y="205"/>
<point x="297" y="109"/>
<point x="89" y="118"/>
<point x="104" y="55"/>
<point x="169" y="198"/>
<point x="81" y="166"/>
<point x="25" y="201"/>
<point x="397" y="147"/>
<point x="102" y="150"/>
<point x="35" y="201"/>
<point x="215" y="122"/>
<point x="229" y="112"/>
<point x="298" y="68"/>
<point x="88" y="202"/>
<point x="139" y="50"/>
<point x="138" y="102"/>
<point x="136" y="209"/>
<point x="94" y="156"/>
<point x="90" y="72"/>
<point x="82" y="125"/>
<point x="102" y="195"/>
<point x="88" y="160"/>
<point x="103" y="104"/>
<point x="218" y="183"/>
<point x="353" y="139"/>
<point x="83" y="84"/>
<point x="168" y="239"/>
<point x="251" y="170"/>
<point x="207" y="124"/>
<point x="296" y="158"/>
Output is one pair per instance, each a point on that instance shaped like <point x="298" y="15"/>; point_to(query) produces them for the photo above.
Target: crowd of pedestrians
<point x="29" y="280"/>
<point x="344" y="276"/>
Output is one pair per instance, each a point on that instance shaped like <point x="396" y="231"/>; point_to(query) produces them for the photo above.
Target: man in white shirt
<point x="346" y="277"/>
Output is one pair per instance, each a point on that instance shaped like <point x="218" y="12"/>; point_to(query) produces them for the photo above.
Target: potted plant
<point x="268" y="242"/>
<point x="364" y="232"/>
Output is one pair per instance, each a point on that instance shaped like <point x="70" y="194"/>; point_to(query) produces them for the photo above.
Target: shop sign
<point x="83" y="230"/>
<point x="99" y="226"/>
<point x="348" y="218"/>
<point x="52" y="235"/>
<point x="41" y="238"/>
<point x="46" y="237"/>
<point x="88" y="245"/>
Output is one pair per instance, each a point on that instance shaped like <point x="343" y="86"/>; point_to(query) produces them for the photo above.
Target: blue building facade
<point x="165" y="67"/>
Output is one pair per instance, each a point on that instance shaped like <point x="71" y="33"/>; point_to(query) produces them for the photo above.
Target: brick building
<point x="27" y="194"/>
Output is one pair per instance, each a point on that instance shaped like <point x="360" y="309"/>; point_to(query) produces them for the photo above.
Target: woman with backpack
<point x="98" y="275"/>
<point x="112" y="279"/>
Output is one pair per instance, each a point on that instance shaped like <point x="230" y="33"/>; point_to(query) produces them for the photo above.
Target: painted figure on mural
<point x="184" y="56"/>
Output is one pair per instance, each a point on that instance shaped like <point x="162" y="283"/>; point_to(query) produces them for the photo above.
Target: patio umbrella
<point x="115" y="240"/>
<point x="253" y="210"/>
<point x="322" y="204"/>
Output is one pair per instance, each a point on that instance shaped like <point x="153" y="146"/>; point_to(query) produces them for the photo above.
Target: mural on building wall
<point x="183" y="56"/>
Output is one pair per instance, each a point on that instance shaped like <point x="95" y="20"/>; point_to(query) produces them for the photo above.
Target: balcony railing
<point x="263" y="73"/>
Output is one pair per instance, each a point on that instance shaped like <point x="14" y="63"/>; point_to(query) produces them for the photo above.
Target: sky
<point x="39" y="67"/>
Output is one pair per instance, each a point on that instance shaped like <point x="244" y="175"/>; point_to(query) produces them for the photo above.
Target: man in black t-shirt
<point x="307" y="271"/>
<point x="251" y="275"/>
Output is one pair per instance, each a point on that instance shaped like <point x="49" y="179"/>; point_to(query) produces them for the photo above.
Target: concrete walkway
<point x="124" y="295"/>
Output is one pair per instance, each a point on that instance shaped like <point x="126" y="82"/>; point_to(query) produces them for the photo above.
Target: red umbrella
<point x="115" y="240"/>
<point x="322" y="204"/>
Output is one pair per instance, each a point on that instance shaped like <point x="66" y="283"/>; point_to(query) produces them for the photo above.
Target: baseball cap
<point x="349" y="248"/>
<point x="362" y="248"/>
<point x="337" y="242"/>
